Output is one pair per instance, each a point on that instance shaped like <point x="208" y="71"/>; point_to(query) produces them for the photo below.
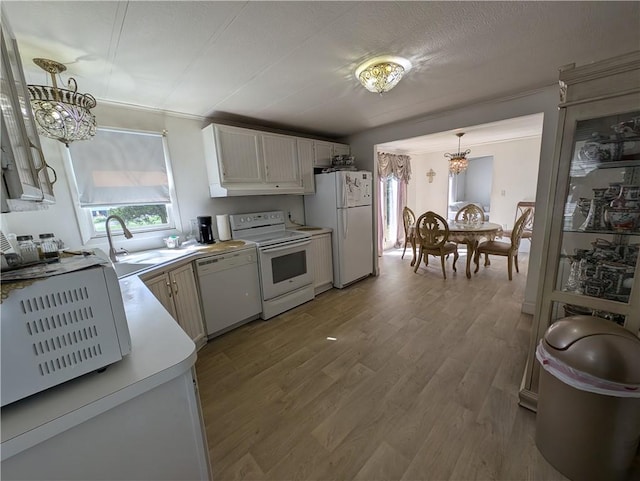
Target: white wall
<point x="514" y="171"/>
<point x="363" y="147"/>
<point x="190" y="176"/>
<point x="422" y="195"/>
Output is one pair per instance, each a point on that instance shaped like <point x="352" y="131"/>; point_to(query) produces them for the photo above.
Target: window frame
<point x="84" y="219"/>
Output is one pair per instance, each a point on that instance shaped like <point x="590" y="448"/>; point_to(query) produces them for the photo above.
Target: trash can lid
<point x="595" y="346"/>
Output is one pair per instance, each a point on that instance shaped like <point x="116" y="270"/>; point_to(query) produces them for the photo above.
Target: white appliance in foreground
<point x="284" y="260"/>
<point x="343" y="202"/>
<point x="62" y="326"/>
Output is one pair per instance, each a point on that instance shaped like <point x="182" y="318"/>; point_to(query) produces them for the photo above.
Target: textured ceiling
<point x="291" y="64"/>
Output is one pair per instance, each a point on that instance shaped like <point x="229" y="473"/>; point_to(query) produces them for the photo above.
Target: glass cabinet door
<point x="599" y="236"/>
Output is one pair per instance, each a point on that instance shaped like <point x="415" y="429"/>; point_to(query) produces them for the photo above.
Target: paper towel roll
<point x="224" y="230"/>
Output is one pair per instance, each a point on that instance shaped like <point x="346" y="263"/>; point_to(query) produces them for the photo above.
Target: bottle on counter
<point x="28" y="249"/>
<point x="48" y="247"/>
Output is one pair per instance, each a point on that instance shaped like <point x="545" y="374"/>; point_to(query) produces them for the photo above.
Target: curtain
<point x="394" y="165"/>
<point x="398" y="166"/>
<point x="402" y="202"/>
<point x="120" y="168"/>
<point x="380" y="215"/>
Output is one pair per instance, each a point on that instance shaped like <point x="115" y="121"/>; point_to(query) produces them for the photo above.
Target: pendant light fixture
<point x="381" y="74"/>
<point x="458" y="161"/>
<point x="61" y="114"/>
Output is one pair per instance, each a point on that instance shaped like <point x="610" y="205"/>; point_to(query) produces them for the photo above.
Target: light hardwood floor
<point x="421" y="383"/>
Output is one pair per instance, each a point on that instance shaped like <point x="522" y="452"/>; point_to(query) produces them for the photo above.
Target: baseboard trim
<point x="528" y="307"/>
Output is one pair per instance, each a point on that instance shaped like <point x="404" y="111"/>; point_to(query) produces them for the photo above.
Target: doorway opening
<point x="390" y="220"/>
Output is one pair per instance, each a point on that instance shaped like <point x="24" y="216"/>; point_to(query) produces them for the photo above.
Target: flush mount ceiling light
<point x="381" y="74"/>
<point x="61" y="114"/>
<point x="458" y="161"/>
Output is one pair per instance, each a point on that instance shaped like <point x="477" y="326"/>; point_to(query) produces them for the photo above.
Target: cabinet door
<point x="239" y="154"/>
<point x="187" y="303"/>
<point x="323" y="152"/>
<point x="305" y="160"/>
<point x="322" y="262"/>
<point x="280" y="159"/>
<point x="21" y="173"/>
<point x="341" y="149"/>
<point x="161" y="288"/>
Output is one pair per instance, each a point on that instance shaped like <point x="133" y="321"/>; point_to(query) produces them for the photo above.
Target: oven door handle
<point x="269" y="250"/>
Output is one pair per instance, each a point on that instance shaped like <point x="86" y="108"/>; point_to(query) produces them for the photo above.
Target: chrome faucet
<point x="127" y="234"/>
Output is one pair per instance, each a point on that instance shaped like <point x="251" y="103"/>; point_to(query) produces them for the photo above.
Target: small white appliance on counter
<point x="61" y="326"/>
<point x="284" y="260"/>
<point x="229" y="289"/>
<point x="343" y="202"/>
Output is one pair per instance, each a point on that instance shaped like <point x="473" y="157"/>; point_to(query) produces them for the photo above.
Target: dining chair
<point x="470" y="214"/>
<point x="432" y="232"/>
<point x="527" y="233"/>
<point x="510" y="250"/>
<point x="408" y="219"/>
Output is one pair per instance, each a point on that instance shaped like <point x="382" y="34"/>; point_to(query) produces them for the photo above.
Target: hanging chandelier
<point x="61" y="114"/>
<point x="381" y="74"/>
<point x="458" y="161"/>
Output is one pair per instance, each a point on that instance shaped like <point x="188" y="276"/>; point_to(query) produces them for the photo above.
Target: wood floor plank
<point x="420" y="383"/>
<point x="384" y="464"/>
<point x="244" y="469"/>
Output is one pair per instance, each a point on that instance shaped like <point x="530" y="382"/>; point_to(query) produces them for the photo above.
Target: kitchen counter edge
<point x="160" y="352"/>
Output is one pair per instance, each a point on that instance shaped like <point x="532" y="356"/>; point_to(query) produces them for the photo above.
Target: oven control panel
<point x="256" y="219"/>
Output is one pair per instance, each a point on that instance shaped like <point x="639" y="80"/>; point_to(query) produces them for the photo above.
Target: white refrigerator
<point x="343" y="202"/>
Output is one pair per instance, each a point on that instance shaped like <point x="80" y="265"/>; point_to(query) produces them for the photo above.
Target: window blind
<point x="120" y="168"/>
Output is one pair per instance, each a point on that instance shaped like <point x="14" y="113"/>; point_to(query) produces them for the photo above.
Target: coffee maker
<point x="205" y="234"/>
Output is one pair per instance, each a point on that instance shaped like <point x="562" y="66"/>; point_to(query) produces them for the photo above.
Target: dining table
<point x="467" y="233"/>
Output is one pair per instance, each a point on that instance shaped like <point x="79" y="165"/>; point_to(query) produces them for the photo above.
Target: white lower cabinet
<point x="321" y="252"/>
<point x="177" y="292"/>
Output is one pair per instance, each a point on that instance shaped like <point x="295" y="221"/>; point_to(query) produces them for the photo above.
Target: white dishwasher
<point x="229" y="289"/>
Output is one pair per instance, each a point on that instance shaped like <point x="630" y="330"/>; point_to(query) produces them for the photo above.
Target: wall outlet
<point x="503" y="192"/>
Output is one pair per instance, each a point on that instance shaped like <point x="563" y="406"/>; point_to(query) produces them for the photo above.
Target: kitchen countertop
<point x="144" y="262"/>
<point x="314" y="230"/>
<point x="160" y="351"/>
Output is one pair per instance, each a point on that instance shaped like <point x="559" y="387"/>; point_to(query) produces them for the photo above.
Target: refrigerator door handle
<point x="344" y="213"/>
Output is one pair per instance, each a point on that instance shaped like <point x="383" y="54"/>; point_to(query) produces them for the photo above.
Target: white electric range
<point x="284" y="260"/>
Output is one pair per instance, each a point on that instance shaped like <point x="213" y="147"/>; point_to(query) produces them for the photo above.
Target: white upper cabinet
<point x="323" y="152"/>
<point x="341" y="149"/>
<point x="250" y="162"/>
<point x="244" y="161"/>
<point x="238" y="152"/>
<point x="305" y="160"/>
<point x="281" y="160"/>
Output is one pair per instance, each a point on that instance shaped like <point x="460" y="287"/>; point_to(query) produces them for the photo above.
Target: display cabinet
<point x="593" y="230"/>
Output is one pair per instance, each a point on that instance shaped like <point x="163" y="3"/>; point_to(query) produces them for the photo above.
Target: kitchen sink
<point x="152" y="257"/>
